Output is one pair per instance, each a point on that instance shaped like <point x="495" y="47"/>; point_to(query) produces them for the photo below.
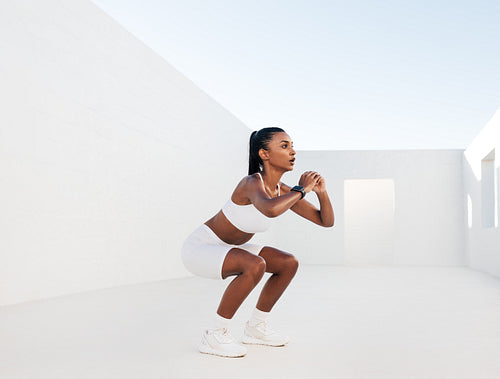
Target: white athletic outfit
<point x="203" y="252"/>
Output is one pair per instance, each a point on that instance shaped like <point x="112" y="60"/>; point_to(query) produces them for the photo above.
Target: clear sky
<point x="336" y="75"/>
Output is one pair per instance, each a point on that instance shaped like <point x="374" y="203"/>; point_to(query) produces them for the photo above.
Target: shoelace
<point x="263" y="328"/>
<point x="222" y="335"/>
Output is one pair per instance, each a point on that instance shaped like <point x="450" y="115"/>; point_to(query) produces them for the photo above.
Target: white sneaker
<point x="260" y="334"/>
<point x="220" y="342"/>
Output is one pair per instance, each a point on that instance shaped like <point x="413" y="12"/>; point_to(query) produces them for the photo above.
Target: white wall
<point x="109" y="157"/>
<point x="482" y="195"/>
<point x="406" y="208"/>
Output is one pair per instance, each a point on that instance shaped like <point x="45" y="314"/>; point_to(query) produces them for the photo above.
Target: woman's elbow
<point x="329" y="224"/>
<point x="272" y="213"/>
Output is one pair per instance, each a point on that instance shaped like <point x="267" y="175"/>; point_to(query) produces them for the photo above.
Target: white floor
<point x="345" y="322"/>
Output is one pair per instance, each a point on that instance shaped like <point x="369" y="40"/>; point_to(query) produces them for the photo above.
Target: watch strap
<point x="299" y="189"/>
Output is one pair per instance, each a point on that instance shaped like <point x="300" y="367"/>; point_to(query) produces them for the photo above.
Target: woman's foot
<point x="220" y="342"/>
<point x="261" y="334"/>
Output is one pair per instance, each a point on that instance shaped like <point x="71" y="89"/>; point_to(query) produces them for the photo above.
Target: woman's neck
<point x="271" y="178"/>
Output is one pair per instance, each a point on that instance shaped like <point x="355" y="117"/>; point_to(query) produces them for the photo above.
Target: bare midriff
<point x="226" y="231"/>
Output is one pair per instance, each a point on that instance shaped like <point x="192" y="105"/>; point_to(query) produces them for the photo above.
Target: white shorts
<point x="203" y="252"/>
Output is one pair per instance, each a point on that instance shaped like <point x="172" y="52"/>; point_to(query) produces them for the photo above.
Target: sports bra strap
<point x="260" y="176"/>
<point x="262" y="180"/>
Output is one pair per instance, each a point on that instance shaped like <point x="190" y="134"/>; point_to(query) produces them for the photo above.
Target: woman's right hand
<point x="308" y="180"/>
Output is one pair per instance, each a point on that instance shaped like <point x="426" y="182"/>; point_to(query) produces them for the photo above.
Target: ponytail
<point x="259" y="140"/>
<point x="254" y="160"/>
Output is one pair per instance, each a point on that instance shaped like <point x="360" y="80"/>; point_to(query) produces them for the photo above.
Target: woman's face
<point x="280" y="152"/>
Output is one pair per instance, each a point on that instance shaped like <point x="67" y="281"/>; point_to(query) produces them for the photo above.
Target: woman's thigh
<point x="278" y="260"/>
<point x="237" y="261"/>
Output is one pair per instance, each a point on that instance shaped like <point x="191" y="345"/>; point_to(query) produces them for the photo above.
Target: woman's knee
<point x="241" y="262"/>
<point x="257" y="268"/>
<point x="292" y="264"/>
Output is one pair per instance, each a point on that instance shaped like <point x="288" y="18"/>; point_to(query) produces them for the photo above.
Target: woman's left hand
<point x="320" y="185"/>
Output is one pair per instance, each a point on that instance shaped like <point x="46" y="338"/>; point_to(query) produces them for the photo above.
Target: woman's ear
<point x="263" y="154"/>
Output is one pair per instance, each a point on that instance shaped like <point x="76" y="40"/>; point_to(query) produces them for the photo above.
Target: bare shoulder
<point x="240" y="193"/>
<point x="249" y="180"/>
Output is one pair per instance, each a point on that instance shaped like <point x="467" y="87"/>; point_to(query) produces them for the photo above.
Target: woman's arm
<point x="323" y="216"/>
<point x="278" y="205"/>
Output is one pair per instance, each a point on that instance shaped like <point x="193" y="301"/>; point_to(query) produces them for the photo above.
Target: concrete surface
<point x="345" y="322"/>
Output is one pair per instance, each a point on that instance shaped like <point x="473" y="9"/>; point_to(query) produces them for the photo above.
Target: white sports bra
<point x="247" y="218"/>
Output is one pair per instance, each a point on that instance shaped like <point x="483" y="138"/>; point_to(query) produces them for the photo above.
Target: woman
<point x="219" y="248"/>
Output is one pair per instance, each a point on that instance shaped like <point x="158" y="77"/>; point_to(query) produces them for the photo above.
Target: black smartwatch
<point x="299" y="189"/>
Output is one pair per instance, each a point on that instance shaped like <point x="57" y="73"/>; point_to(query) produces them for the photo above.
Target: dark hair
<point x="259" y="140"/>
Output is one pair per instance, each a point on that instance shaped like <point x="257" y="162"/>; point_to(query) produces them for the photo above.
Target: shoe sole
<point x="206" y="349"/>
<point x="255" y="341"/>
<point x="215" y="352"/>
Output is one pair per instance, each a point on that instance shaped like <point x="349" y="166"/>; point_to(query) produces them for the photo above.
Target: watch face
<point x="299" y="189"/>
